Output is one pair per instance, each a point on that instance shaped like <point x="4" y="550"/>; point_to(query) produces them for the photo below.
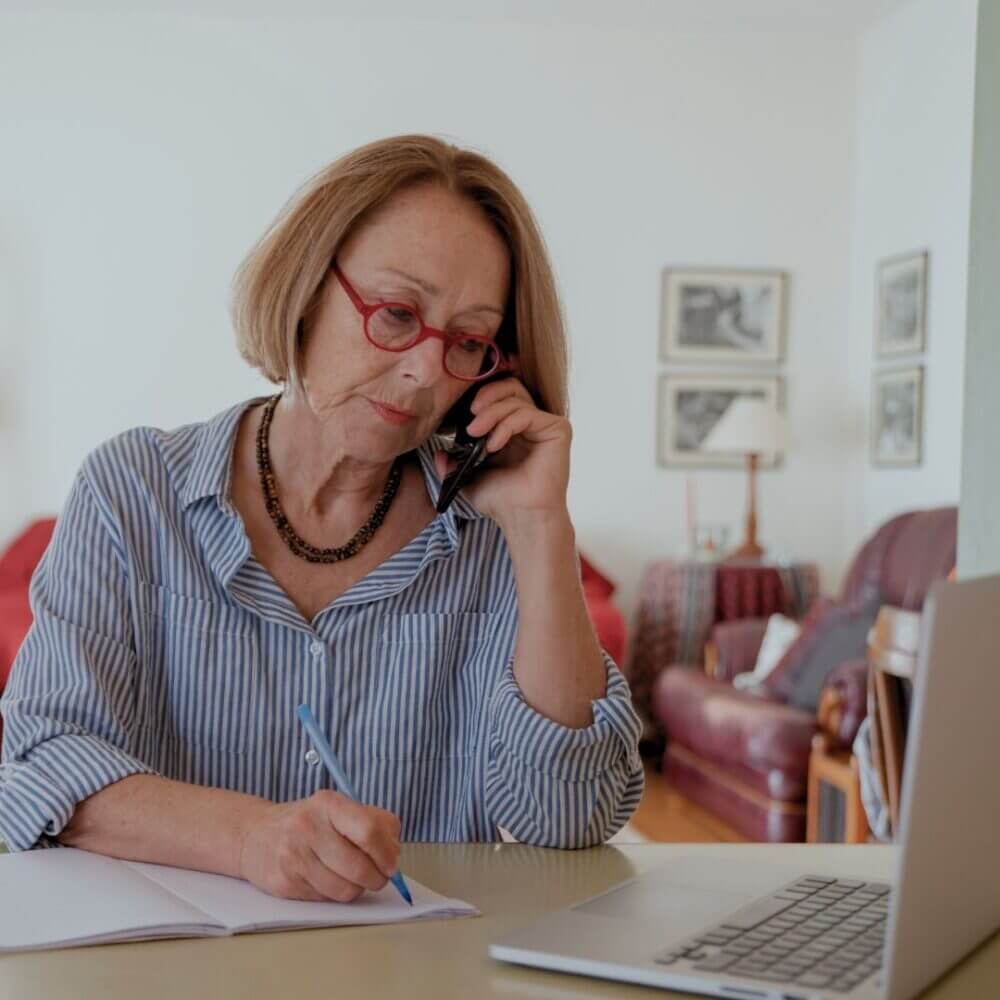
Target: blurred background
<point x="146" y="146"/>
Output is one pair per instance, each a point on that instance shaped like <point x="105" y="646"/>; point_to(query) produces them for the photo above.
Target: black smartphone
<point x="470" y="451"/>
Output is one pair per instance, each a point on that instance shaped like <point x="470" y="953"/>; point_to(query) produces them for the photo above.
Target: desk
<point x="437" y="960"/>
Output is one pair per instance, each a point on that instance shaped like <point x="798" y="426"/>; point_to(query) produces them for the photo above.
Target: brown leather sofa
<point x="744" y="755"/>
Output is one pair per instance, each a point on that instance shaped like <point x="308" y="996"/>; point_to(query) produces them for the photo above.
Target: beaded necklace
<point x="296" y="543"/>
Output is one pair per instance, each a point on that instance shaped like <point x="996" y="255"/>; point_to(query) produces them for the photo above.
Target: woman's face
<point x="437" y="252"/>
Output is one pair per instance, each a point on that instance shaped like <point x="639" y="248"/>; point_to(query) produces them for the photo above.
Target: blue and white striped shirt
<point x="161" y="646"/>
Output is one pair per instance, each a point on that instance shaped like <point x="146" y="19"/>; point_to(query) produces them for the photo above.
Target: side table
<point x="835" y="813"/>
<point x="680" y="601"/>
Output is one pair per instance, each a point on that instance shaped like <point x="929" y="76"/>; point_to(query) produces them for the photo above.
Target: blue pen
<point x="326" y="753"/>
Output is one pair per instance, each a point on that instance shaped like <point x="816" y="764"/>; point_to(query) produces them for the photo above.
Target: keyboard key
<point x="839" y="936"/>
<point x="747" y="967"/>
<point x="717" y="939"/>
<point x="814" y="954"/>
<point x="716" y="963"/>
<point x="780" y="926"/>
<point x="756" y="914"/>
<point x="667" y="958"/>
<point x="856" y="954"/>
<point x="772" y="953"/>
<point x="797" y="939"/>
<point x="728" y="935"/>
<point x="767" y="975"/>
<point x="813" y="979"/>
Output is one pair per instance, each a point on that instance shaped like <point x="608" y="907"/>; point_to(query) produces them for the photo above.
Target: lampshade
<point x="749" y="426"/>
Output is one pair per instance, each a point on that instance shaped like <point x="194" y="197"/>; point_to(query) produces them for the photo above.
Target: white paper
<point x="240" y="906"/>
<point x="65" y="896"/>
<point x="62" y="896"/>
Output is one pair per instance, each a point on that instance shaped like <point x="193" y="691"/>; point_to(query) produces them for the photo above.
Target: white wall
<point x="144" y="153"/>
<point x="916" y="82"/>
<point x="978" y="525"/>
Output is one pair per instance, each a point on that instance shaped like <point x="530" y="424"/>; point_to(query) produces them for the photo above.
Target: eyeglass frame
<point x="427" y="332"/>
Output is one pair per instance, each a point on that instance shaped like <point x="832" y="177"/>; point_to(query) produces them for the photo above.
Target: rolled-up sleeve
<point x="70" y="699"/>
<point x="555" y="786"/>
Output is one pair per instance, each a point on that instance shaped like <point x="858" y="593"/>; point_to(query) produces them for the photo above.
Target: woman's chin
<point x="386" y="443"/>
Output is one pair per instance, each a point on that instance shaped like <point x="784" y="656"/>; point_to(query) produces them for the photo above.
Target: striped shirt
<point x="160" y="645"/>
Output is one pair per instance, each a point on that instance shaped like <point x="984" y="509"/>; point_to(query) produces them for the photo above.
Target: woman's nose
<point x="424" y="364"/>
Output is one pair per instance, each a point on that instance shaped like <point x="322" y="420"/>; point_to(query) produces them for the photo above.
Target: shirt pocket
<point x="436" y="676"/>
<point x="198" y="670"/>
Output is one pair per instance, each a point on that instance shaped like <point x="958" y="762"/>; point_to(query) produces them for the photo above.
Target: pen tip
<point x="404" y="890"/>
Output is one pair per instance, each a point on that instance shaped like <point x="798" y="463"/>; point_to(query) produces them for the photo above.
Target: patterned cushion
<point x="831" y="634"/>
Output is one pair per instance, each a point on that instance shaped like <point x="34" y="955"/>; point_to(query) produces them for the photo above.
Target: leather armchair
<point x="744" y="755"/>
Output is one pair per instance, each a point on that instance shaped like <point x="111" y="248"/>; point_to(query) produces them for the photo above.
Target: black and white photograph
<point x="901" y="302"/>
<point x="689" y="407"/>
<point x="722" y="316"/>
<point x="897" y="421"/>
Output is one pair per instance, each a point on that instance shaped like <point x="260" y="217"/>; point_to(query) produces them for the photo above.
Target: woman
<point x="205" y="581"/>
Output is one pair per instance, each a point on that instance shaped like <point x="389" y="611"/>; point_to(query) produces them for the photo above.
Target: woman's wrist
<point x="250" y="814"/>
<point x="526" y="530"/>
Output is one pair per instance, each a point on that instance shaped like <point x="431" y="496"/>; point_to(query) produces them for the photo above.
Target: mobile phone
<point x="470" y="451"/>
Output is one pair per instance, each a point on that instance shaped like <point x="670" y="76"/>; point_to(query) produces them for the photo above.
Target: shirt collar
<point x="202" y="467"/>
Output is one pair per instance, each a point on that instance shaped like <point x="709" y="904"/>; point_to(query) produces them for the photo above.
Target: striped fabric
<point x="160" y="645"/>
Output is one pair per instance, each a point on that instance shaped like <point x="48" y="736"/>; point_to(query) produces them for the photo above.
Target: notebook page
<point x="240" y="906"/>
<point x="66" y="896"/>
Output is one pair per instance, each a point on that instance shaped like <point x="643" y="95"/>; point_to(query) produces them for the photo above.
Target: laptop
<point x="727" y="929"/>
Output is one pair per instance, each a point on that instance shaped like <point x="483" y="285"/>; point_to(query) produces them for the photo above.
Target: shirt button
<point x="316" y="648"/>
<point x="312" y="757"/>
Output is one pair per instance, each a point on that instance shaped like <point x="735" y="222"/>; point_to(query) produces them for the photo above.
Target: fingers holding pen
<point x="326" y="847"/>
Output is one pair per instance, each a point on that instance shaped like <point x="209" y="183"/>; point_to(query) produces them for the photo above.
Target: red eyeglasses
<point x="395" y="326"/>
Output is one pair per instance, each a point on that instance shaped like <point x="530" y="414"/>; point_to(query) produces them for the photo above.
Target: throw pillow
<point x="831" y="634"/>
<point x="594" y="581"/>
<point x="780" y="633"/>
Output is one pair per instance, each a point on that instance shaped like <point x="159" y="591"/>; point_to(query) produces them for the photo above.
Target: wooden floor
<point x="665" y="815"/>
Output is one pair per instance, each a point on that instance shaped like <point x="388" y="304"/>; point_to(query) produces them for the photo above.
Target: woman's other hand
<point x="326" y="847"/>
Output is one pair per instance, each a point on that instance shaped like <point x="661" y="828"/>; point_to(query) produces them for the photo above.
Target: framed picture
<point x="689" y="406"/>
<point x="901" y="303"/>
<point x="726" y="316"/>
<point x="897" y="416"/>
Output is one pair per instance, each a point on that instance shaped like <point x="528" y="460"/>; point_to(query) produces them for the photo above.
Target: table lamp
<point x="751" y="427"/>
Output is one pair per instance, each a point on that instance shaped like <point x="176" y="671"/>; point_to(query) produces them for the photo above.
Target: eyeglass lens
<point x="395" y="328"/>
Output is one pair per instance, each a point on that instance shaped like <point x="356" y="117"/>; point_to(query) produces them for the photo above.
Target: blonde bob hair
<point x="281" y="280"/>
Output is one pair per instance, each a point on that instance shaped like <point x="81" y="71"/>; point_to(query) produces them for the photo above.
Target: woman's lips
<point x="389" y="415"/>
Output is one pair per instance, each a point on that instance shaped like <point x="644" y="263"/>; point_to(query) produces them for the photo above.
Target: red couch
<point x="608" y="620"/>
<point x="19" y="561"/>
<point x="16" y="566"/>
<point x="745" y="755"/>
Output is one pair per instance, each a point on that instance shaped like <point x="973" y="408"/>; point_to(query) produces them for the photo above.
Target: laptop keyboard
<point x="815" y="932"/>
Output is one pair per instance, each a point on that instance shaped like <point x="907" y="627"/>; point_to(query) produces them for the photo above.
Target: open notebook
<point x="63" y="897"/>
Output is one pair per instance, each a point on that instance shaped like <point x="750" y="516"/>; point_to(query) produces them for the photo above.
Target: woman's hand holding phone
<point x="526" y="471"/>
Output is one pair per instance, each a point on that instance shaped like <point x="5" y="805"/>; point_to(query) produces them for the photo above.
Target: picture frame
<point x="901" y="305"/>
<point x="730" y="316"/>
<point x="897" y="417"/>
<point x="690" y="405"/>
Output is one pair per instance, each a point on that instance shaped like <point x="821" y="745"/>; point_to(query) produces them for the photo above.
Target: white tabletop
<point x="510" y="883"/>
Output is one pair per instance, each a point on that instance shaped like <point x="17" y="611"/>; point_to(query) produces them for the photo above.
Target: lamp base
<point x="748" y="551"/>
